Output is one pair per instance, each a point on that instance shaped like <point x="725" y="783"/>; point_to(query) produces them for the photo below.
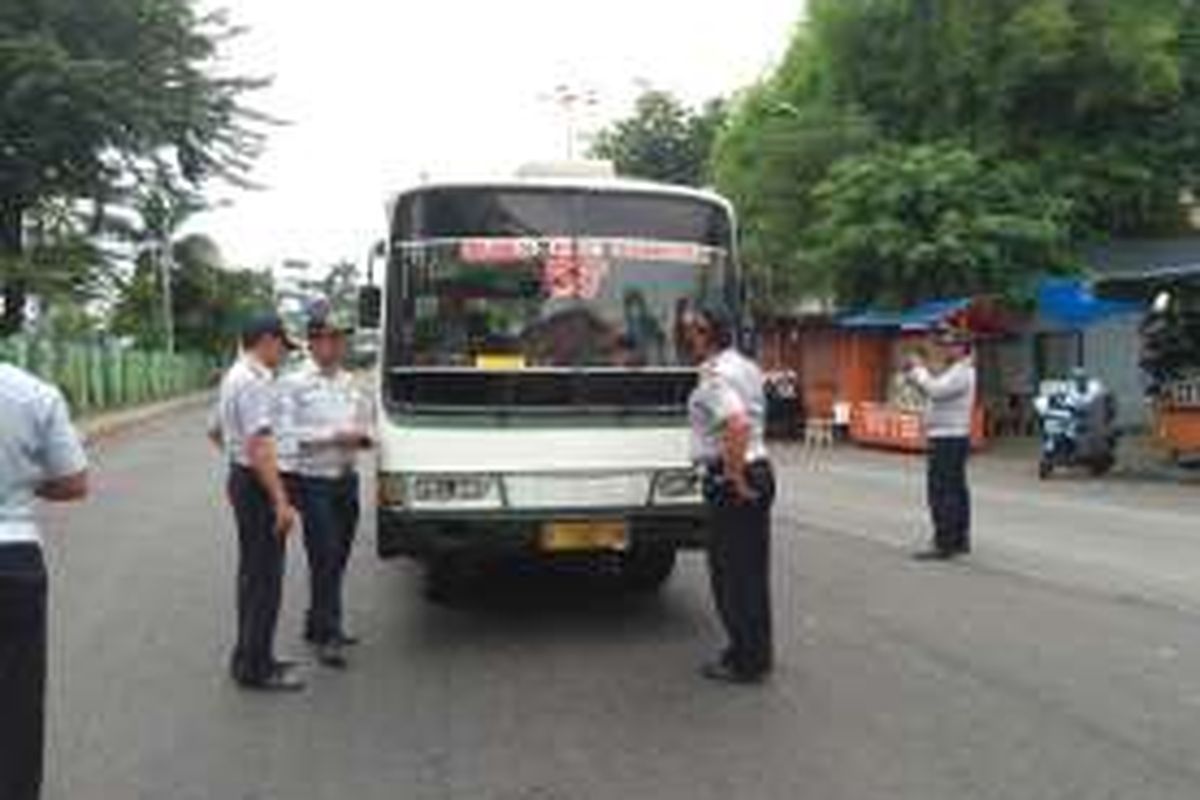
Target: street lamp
<point x="571" y="100"/>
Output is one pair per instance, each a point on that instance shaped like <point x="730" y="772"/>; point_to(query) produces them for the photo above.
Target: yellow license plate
<point x="573" y="537"/>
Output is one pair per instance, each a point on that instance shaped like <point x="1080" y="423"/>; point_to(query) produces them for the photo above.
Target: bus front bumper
<point x="427" y="536"/>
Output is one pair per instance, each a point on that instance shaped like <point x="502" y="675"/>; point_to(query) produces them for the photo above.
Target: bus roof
<point x="598" y="185"/>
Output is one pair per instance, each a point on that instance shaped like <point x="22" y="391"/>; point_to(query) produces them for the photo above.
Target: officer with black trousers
<point x="325" y="424"/>
<point x="41" y="458"/>
<point x="245" y="426"/>
<point x="949" y="385"/>
<point x="728" y="417"/>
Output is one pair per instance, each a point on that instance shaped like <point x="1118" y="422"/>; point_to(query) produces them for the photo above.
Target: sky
<point x="377" y="93"/>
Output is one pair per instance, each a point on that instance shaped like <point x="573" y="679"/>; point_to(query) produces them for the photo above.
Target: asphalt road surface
<point x="1062" y="661"/>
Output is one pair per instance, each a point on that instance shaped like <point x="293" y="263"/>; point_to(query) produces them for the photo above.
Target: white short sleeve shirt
<point x="37" y="444"/>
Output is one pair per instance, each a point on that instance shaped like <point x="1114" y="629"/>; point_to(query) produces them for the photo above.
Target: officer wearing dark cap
<point x="728" y="415"/>
<point x="325" y="423"/>
<point x="245" y="427"/>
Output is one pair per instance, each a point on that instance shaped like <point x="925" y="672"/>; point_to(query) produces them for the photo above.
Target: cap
<point x="952" y="335"/>
<point x="267" y="323"/>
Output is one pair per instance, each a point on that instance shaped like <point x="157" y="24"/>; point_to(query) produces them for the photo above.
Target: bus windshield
<point x="531" y="299"/>
<point x="554" y="303"/>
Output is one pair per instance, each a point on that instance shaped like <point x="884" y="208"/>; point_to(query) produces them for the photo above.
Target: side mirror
<point x="370" y="308"/>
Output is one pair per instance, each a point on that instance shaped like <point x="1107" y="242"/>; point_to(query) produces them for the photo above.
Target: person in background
<point x="1084" y="390"/>
<point x="245" y="427"/>
<point x="950" y="392"/>
<point x="40" y="458"/>
<point x="325" y="423"/>
<point x="728" y="416"/>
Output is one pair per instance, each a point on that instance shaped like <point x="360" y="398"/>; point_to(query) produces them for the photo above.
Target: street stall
<point x="1171" y="359"/>
<point x="883" y="408"/>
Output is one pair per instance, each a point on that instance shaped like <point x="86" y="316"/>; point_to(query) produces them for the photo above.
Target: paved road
<point x="1062" y="662"/>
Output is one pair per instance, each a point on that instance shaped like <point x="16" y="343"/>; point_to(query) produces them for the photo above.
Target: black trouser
<point x="330" y="510"/>
<point x="260" y="577"/>
<point x="22" y="670"/>
<point x="949" y="497"/>
<point x="739" y="559"/>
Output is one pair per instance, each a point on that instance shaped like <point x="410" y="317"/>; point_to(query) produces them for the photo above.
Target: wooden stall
<point x="1177" y="419"/>
<point x="884" y="411"/>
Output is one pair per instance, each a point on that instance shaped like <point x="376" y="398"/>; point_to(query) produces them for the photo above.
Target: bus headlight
<point x="444" y="490"/>
<point x="677" y="486"/>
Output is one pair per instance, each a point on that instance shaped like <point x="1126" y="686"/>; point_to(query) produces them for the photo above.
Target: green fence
<point x="98" y="377"/>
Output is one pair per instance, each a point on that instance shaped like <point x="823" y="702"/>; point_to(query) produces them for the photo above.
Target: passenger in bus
<point x="643" y="330"/>
<point x="728" y="416"/>
<point x="626" y="354"/>
<point x="679" y="330"/>
<point x="573" y="337"/>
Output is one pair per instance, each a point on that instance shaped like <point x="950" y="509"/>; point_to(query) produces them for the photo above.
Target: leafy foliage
<point x="929" y="221"/>
<point x="1095" y="104"/>
<point x="768" y="162"/>
<point x="210" y="302"/>
<point x="664" y="140"/>
<point x="99" y="98"/>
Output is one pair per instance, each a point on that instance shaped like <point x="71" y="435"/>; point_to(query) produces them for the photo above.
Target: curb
<point x="106" y="426"/>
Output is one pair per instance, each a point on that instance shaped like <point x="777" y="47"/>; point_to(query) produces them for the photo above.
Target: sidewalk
<point x="105" y="425"/>
<point x="1139" y="458"/>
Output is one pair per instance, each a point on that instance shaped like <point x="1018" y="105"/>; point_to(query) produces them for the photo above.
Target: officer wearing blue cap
<point x="325" y="423"/>
<point x="245" y="427"/>
<point x="728" y="414"/>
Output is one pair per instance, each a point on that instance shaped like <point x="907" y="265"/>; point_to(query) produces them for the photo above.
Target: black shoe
<point x="721" y="672"/>
<point x="331" y="654"/>
<point x="280" y="680"/>
<point x="347" y="640"/>
<point x="934" y="555"/>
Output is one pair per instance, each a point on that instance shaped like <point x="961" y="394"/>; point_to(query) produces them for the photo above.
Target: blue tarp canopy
<point x="1072" y="304"/>
<point x="920" y="318"/>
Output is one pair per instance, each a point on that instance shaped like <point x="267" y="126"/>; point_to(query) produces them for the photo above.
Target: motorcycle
<point x="1077" y="431"/>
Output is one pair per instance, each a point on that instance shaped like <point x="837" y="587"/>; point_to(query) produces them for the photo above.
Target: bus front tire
<point x="447" y="579"/>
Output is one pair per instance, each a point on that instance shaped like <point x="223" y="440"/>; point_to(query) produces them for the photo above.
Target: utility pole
<point x="164" y="265"/>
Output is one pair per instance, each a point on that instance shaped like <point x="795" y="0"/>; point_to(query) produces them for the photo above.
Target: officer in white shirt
<point x="728" y="415"/>
<point x="40" y="458"/>
<point x="951" y="396"/>
<point x="245" y="426"/>
<point x="325" y="423"/>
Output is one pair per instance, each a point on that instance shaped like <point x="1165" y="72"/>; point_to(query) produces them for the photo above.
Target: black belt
<point x="716" y="469"/>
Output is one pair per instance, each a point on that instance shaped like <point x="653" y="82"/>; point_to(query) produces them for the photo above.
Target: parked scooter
<point x="1078" y="425"/>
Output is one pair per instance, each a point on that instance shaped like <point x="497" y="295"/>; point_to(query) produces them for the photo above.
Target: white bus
<point x="533" y="380"/>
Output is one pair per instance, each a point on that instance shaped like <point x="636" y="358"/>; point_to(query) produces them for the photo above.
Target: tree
<point x="210" y="302"/>
<point x="1101" y="96"/>
<point x="909" y="224"/>
<point x="664" y="140"/>
<point x="100" y="97"/>
<point x="1095" y="103"/>
<point x="768" y="161"/>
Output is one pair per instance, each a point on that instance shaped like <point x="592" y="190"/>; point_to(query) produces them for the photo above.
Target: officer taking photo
<point x="728" y="416"/>
<point x="325" y="424"/>
<point x="245" y="426"/>
<point x="40" y="459"/>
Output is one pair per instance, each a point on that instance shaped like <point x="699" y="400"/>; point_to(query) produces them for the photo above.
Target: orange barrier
<point x="891" y="428"/>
